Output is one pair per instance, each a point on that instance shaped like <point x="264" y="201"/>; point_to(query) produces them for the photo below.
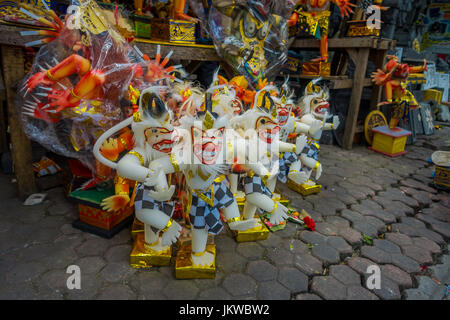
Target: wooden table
<point x="359" y="50"/>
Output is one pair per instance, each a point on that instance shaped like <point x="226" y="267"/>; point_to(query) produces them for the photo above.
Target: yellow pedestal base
<point x="136" y="228"/>
<point x="142" y="257"/>
<point x="260" y="232"/>
<point x="184" y="268"/>
<point x="304" y="189"/>
<point x="277" y="196"/>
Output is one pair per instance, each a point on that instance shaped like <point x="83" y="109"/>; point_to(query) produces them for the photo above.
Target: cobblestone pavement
<point x="372" y="210"/>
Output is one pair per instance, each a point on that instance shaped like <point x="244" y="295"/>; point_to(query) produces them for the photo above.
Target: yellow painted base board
<point x="140" y="257"/>
<point x="184" y="268"/>
<point x="304" y="189"/>
<point x="260" y="232"/>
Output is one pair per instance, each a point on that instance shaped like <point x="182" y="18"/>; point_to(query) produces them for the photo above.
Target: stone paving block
<point x="378" y="213"/>
<point x="225" y="244"/>
<point x="392" y="205"/>
<point x="416" y="294"/>
<point x="293" y="279"/>
<point x="93" y="247"/>
<point x="239" y="285"/>
<point x="417" y="185"/>
<point x="327" y="229"/>
<point x="345" y="275"/>
<point x="272" y="290"/>
<point x="230" y="262"/>
<point x="214" y="294"/>
<point x="357" y="292"/>
<point x="360" y="265"/>
<point x="389" y="290"/>
<point x="328" y="288"/>
<point x="118" y="253"/>
<point x="90" y="286"/>
<point x="407" y="264"/>
<point x="25" y="272"/>
<point x="365" y="181"/>
<point x="325" y="253"/>
<point x="261" y="270"/>
<point x="341" y="194"/>
<point x="181" y="290"/>
<point x="308" y="264"/>
<point x="295" y="246"/>
<point x="377" y="223"/>
<point x="351" y="235"/>
<point x="386" y="246"/>
<point x="398" y="238"/>
<point x="149" y="284"/>
<point x="337" y="221"/>
<point x="418" y="254"/>
<point x="352" y="216"/>
<point x="274" y="241"/>
<point x="397" y="275"/>
<point x="116" y="292"/>
<point x="250" y="250"/>
<point x="290" y="231"/>
<point x="404" y="228"/>
<point x="398" y="195"/>
<point x="307" y="296"/>
<point x="415" y="223"/>
<point x="280" y="256"/>
<point x="340" y="245"/>
<point x="365" y="228"/>
<point x="442" y="228"/>
<point x="117" y="271"/>
<point x="427" y="285"/>
<point x="329" y="207"/>
<point x="433" y="236"/>
<point x="375" y="254"/>
<point x="313" y="238"/>
<point x="424" y="198"/>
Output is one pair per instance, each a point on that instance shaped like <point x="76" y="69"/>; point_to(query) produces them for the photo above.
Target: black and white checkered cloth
<point x="285" y="163"/>
<point x="144" y="201"/>
<point x="203" y="215"/>
<point x="255" y="184"/>
<point x="312" y="151"/>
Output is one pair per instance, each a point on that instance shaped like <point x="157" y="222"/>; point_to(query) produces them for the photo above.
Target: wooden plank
<point x="346" y="42"/>
<point x="355" y="99"/>
<point x="13" y="71"/>
<point x="180" y="52"/>
<point x="377" y="90"/>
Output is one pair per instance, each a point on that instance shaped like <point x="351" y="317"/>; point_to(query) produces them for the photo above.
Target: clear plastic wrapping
<point x="251" y="36"/>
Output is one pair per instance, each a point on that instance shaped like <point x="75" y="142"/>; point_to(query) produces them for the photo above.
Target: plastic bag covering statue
<point x="73" y="92"/>
<point x="251" y="36"/>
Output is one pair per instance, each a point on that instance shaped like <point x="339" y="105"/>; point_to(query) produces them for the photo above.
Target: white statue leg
<point x="296" y="175"/>
<point x="233" y="178"/>
<point x="232" y="211"/>
<point x="159" y="220"/>
<point x="200" y="257"/>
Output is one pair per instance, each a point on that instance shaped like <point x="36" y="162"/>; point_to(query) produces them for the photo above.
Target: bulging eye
<point x="154" y="131"/>
<point x="262" y="33"/>
<point x="249" y="26"/>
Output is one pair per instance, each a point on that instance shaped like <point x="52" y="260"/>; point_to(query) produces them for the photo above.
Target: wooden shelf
<point x="345" y="43"/>
<point x="10" y="35"/>
<point x="336" y="82"/>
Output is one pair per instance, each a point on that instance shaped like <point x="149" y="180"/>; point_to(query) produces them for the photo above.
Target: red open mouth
<point x="322" y="108"/>
<point x="164" y="146"/>
<point x="269" y="135"/>
<point x="283" y="116"/>
<point x="208" y="152"/>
